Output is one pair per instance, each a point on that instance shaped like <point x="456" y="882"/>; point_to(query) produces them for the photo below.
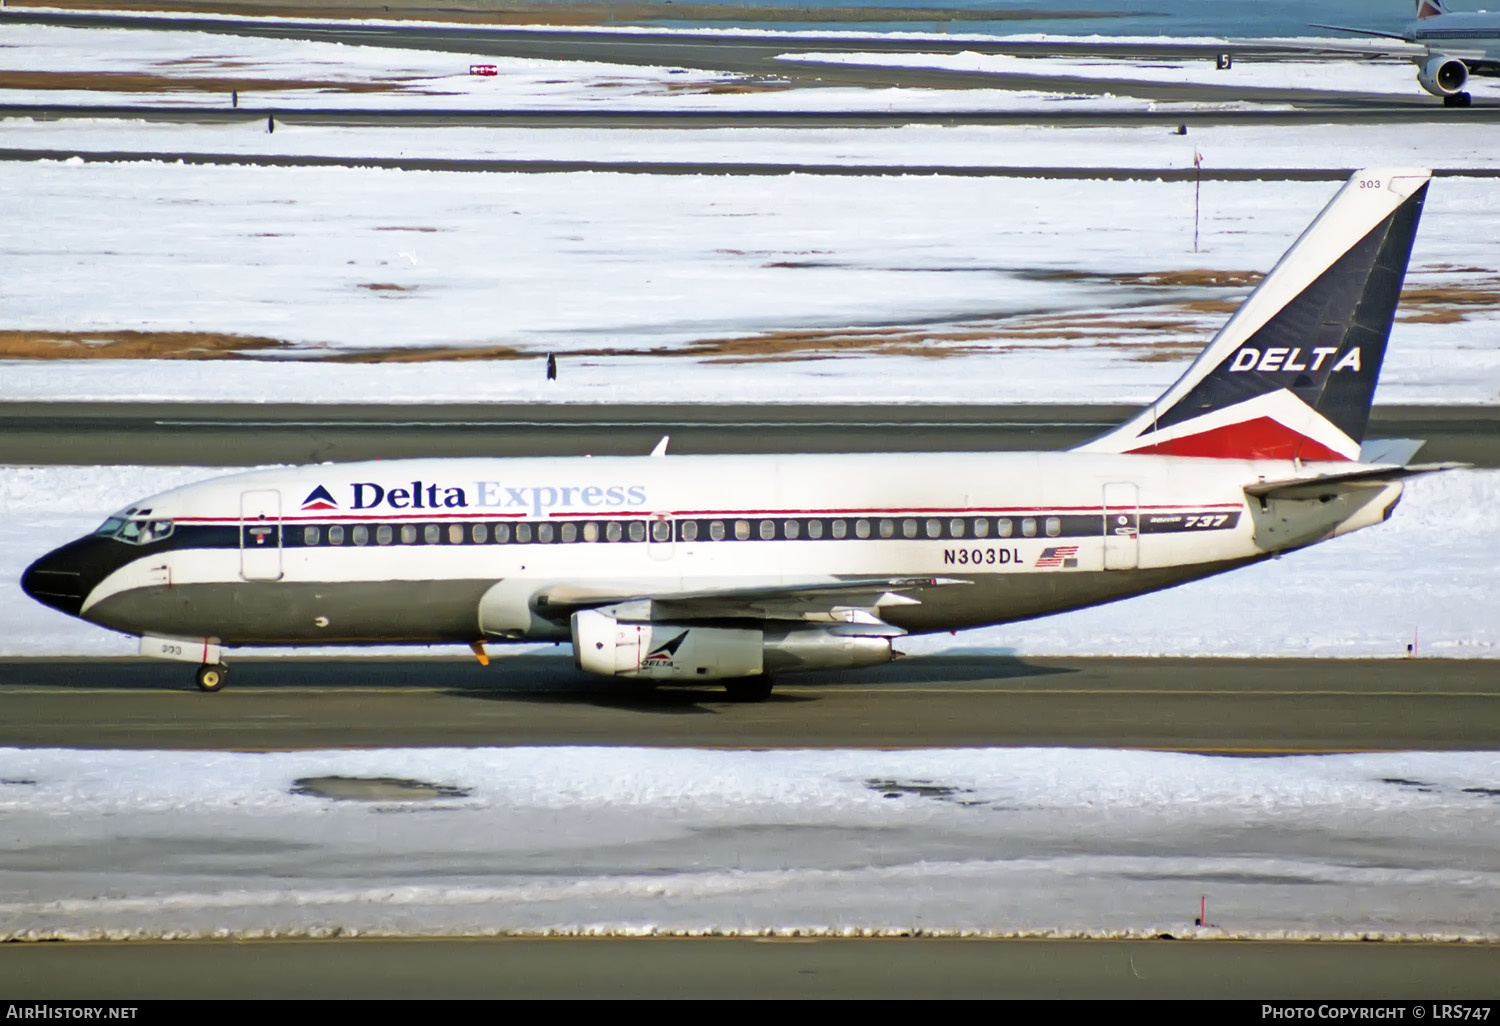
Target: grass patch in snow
<point x="145" y="82"/>
<point x="1146" y="332"/>
<point x="132" y="345"/>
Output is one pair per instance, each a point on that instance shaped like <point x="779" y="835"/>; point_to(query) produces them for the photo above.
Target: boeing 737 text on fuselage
<point x="733" y="568"/>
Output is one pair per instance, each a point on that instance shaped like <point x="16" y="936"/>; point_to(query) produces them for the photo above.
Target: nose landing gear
<point x="211" y="677"/>
<point x="207" y="653"/>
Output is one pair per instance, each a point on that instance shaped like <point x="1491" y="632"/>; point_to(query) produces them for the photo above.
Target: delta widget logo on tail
<point x="319" y="498"/>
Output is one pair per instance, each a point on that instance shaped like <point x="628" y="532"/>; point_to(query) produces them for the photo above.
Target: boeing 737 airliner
<point x="732" y="568"/>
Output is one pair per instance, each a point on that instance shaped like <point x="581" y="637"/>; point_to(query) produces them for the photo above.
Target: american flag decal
<point x="1065" y="556"/>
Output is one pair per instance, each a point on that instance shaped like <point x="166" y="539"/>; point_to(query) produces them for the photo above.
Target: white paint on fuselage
<point x="559" y="490"/>
<point x="1467" y="35"/>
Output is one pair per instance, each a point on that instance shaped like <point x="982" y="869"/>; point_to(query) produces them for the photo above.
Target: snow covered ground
<point x="1028" y="290"/>
<point x="297" y="73"/>
<point x="300" y="73"/>
<point x="615" y="840"/>
<point x="603" y="269"/>
<point x="1151" y="148"/>
<point x="1422" y="577"/>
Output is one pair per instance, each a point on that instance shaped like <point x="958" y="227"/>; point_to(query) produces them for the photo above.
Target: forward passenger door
<point x="260" y="535"/>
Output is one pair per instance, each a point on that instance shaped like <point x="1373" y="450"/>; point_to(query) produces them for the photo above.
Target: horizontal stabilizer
<point x="1316" y="487"/>
<point x="1398" y="451"/>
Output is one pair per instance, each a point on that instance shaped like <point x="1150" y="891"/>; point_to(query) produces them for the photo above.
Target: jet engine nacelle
<point x="1443" y="76"/>
<point x="604" y="645"/>
<point x="607" y="646"/>
<point x="820" y="649"/>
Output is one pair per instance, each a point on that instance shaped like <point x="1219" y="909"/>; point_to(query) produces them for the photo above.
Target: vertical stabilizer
<point x="1292" y="373"/>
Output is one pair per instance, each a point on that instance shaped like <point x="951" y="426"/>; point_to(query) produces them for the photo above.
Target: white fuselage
<point x="1468" y="35"/>
<point x="460" y="549"/>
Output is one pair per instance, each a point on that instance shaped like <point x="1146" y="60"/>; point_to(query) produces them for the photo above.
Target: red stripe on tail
<point x="1258" y="439"/>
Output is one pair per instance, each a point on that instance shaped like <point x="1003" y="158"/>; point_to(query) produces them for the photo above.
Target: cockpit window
<point x="135" y="530"/>
<point x="110" y="526"/>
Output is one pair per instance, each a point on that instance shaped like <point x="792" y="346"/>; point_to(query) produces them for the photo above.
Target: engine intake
<point x="1443" y="76"/>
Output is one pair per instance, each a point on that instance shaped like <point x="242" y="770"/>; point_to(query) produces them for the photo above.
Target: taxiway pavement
<point x="792" y="967"/>
<point x="251" y="434"/>
<point x="1228" y="706"/>
<point x="699" y="167"/>
<point x="215" y="112"/>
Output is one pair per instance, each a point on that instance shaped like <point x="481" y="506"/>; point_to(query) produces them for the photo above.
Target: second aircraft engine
<point x="1443" y="76"/>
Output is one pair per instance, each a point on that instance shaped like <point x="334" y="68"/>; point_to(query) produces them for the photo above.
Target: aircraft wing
<point x="1398" y="46"/>
<point x="852" y="606"/>
<point x="1362" y="31"/>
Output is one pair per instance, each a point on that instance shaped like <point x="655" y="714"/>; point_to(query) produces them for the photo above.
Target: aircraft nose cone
<point x="56" y="580"/>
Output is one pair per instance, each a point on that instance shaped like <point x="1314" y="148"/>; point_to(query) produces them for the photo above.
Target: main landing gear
<point x="211" y="677"/>
<point x="1458" y="100"/>
<point x="749" y="689"/>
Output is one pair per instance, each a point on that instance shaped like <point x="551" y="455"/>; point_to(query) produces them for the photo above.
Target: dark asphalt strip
<point x="1238" y="707"/>
<point x="604" y="968"/>
<point x="232" y="434"/>
<point x="632" y="167"/>
<point x="1043" y="114"/>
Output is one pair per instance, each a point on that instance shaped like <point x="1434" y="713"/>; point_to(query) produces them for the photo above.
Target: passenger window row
<point x="689" y="530"/>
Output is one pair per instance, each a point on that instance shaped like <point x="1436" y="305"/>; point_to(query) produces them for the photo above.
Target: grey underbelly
<point x="435" y="612"/>
<point x="281" y="612"/>
<point x="1006" y="598"/>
